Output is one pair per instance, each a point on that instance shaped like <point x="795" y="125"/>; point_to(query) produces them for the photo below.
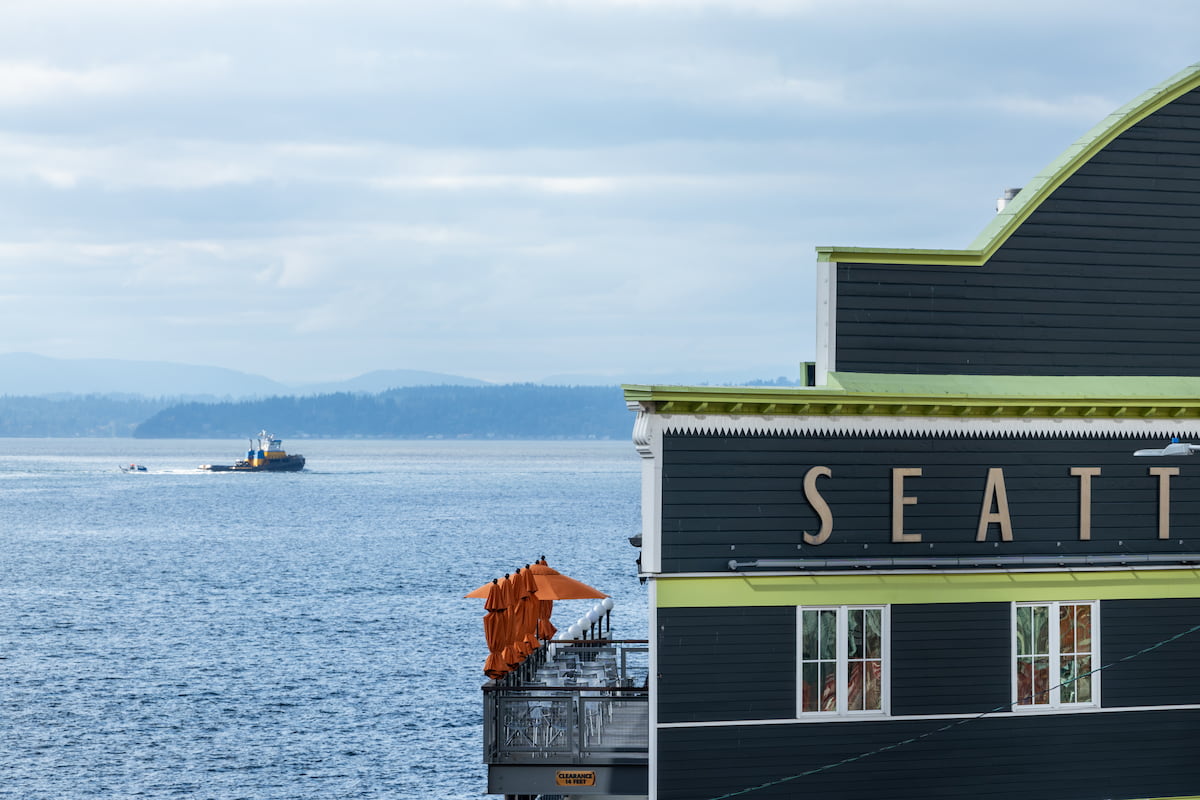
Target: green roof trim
<point x="739" y="590"/>
<point x="1020" y="386"/>
<point x="1035" y="192"/>
<point x="866" y="394"/>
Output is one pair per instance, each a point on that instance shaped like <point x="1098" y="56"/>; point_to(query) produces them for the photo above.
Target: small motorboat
<point x="133" y="468"/>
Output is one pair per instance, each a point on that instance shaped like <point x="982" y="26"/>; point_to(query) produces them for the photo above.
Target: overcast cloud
<point x="508" y="189"/>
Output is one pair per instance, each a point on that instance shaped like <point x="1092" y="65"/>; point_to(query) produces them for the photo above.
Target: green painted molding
<point x="740" y="590"/>
<point x="963" y="396"/>
<point x="1035" y="192"/>
<point x="1021" y="387"/>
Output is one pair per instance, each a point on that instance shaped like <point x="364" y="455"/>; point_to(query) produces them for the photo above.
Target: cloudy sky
<point x="515" y="189"/>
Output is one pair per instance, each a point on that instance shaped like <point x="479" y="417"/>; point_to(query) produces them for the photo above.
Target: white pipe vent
<point x="1006" y="198"/>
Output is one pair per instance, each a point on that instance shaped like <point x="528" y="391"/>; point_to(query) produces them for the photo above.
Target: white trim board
<point x="835" y="720"/>
<point x="1038" y="427"/>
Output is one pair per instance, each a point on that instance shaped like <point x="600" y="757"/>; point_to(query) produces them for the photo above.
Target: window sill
<point x="1059" y="709"/>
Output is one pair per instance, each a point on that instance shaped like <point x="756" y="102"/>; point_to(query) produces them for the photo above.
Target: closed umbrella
<point x="519" y="608"/>
<point x="516" y="633"/>
<point x="501" y="628"/>
<point x="545" y="628"/>
<point x="495" y="629"/>
<point x="512" y="653"/>
<point x="529" y="610"/>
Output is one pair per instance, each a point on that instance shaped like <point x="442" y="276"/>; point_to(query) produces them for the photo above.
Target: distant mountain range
<point x="29" y="375"/>
<point x="381" y="380"/>
<point x="664" y="379"/>
<point x="512" y="411"/>
<point x="42" y="396"/>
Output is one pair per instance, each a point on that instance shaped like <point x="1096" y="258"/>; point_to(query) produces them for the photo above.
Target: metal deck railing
<point x="579" y="702"/>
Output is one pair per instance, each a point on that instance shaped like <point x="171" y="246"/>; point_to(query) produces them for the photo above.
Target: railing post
<point x="491" y="723"/>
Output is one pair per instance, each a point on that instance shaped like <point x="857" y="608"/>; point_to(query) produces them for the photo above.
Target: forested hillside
<point x="75" y="415"/>
<point x="518" y="411"/>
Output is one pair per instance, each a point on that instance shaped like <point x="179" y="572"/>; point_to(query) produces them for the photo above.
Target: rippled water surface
<point x="180" y="633"/>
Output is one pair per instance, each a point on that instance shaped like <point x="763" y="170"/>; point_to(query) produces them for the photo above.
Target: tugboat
<point x="265" y="455"/>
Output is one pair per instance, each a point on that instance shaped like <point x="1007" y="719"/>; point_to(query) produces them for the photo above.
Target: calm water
<point x="189" y="634"/>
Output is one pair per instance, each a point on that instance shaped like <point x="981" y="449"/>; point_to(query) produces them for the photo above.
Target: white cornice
<point x="1040" y="427"/>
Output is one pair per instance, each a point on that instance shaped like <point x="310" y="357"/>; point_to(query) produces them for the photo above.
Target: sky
<point x="618" y="190"/>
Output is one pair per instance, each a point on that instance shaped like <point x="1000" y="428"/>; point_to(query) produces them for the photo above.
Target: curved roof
<point x="1035" y="191"/>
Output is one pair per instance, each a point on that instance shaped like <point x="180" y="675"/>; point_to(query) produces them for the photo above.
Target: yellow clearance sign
<point x="575" y="778"/>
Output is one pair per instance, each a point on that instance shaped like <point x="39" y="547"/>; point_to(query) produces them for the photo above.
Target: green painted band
<point x="798" y="590"/>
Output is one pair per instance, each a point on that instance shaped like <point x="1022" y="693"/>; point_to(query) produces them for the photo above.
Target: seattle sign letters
<point x="994" y="521"/>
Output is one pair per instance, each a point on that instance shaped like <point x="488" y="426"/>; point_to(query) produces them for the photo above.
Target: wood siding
<point x="726" y="664"/>
<point x="1051" y="757"/>
<point x="1169" y="675"/>
<point x="742" y="497"/>
<point x="951" y="658"/>
<point x="720" y="664"/>
<point x="1102" y="279"/>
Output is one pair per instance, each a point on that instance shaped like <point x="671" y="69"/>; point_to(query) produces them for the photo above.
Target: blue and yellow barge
<point x="266" y="454"/>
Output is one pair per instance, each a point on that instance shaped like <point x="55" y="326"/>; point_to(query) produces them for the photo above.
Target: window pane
<point x="1066" y="676"/>
<point x="1024" y="680"/>
<point x="828" y="686"/>
<point x="1041" y="679"/>
<point x="828" y="634"/>
<point x="1077" y="682"/>
<point x="810" y="621"/>
<point x="854" y="633"/>
<point x="810" y="680"/>
<point x="873" y="693"/>
<point x="873" y="624"/>
<point x="855" y="687"/>
<point x="1041" y="630"/>
<point x="1066" y="629"/>
<point x="1083" y="686"/>
<point x="1083" y="629"/>
<point x="1024" y="631"/>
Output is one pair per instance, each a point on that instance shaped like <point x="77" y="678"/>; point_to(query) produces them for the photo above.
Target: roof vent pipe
<point x="1007" y="198"/>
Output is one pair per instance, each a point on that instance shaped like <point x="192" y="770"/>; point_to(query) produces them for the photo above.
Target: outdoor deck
<point x="576" y="703"/>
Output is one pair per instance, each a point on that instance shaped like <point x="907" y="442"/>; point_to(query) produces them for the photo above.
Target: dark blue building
<point x="941" y="570"/>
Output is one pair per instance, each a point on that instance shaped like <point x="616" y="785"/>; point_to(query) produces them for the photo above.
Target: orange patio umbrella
<point x="495" y="628"/>
<point x="518" y="647"/>
<point x="519" y="608"/>
<point x="513" y="653"/>
<point x="553" y="585"/>
<point x="539" y="609"/>
<point x="545" y="628"/>
<point x="529" y="611"/>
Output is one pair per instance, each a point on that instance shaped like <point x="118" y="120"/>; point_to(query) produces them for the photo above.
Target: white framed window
<point x="844" y="660"/>
<point x="1055" y="648"/>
